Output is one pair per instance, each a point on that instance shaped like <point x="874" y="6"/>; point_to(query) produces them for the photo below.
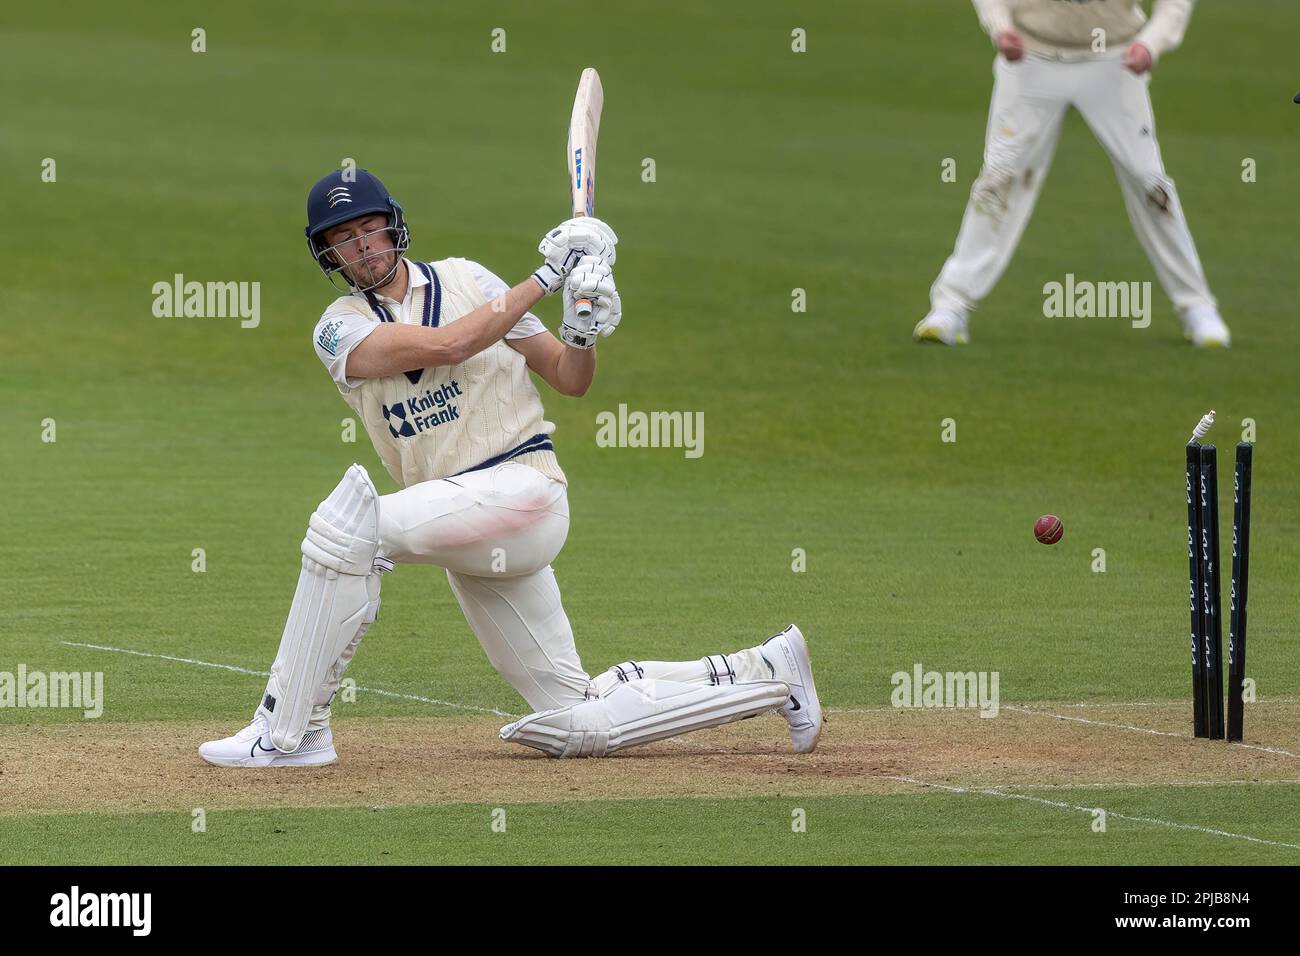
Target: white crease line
<point x="244" y="670"/>
<point x="500" y="713"/>
<point x="1271" y="750"/>
<point x="1084" y="704"/>
<point x="859" y="710"/>
<point x="882" y="710"/>
<point x="1097" y="723"/>
<point x="1119" y="703"/>
<point x="1161" y="703"/>
<point x="1109" y="813"/>
<point x="1142" y="730"/>
<point x="1118" y="784"/>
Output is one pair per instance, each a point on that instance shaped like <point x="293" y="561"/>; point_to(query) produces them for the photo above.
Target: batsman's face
<point x="365" y="248"/>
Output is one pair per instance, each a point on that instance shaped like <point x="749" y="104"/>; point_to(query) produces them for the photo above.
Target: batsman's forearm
<point x="574" y="370"/>
<point x="489" y="323"/>
<point x="393" y="348"/>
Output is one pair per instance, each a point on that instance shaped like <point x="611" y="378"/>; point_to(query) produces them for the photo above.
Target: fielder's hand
<point x="1011" y="45"/>
<point x="591" y="279"/>
<point x="568" y="242"/>
<point x="1138" y="58"/>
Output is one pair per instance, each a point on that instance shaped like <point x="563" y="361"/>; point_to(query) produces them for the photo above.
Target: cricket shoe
<point x="787" y="654"/>
<point x="1205" y="328"/>
<point x="251" y="747"/>
<point x="943" y="326"/>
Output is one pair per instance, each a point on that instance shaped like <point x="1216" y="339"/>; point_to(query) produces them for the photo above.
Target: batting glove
<point x="568" y="242"/>
<point x="592" y="280"/>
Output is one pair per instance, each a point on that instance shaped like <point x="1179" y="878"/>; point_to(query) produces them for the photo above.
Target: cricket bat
<point x="584" y="127"/>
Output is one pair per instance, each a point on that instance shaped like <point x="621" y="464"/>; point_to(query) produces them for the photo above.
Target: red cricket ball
<point x="1048" y="529"/>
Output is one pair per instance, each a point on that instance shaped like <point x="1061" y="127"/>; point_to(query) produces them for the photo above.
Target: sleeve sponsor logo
<point x="329" y="336"/>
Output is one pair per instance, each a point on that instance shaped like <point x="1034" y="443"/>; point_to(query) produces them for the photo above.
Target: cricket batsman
<point x="434" y="359"/>
<point x="1095" y="56"/>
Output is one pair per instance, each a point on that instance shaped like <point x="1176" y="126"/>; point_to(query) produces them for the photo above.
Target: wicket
<point x="1204" y="587"/>
<point x="1237" y="597"/>
<point x="1199" y="719"/>
<point x="1211" y="631"/>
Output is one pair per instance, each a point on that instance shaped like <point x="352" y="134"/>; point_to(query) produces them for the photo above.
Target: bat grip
<point x="581" y="306"/>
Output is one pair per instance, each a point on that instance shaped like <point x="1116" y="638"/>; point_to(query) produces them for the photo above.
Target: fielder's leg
<point x="337" y="598"/>
<point x="1116" y="104"/>
<point x="1025" y="116"/>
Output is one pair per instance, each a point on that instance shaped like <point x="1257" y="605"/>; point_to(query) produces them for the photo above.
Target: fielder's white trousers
<point x="1030" y="100"/>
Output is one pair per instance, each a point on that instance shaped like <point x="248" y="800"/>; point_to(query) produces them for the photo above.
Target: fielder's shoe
<point x="251" y="747"/>
<point x="787" y="653"/>
<point x="944" y="326"/>
<point x="1205" y="328"/>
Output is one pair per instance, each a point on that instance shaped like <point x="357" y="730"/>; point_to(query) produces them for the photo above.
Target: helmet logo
<point x="338" y="195"/>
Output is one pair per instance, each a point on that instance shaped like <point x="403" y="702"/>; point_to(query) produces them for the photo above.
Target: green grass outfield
<point x="933" y="829"/>
<point x="775" y="171"/>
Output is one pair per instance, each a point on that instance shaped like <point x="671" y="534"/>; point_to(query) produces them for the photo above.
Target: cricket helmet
<point x="340" y="197"/>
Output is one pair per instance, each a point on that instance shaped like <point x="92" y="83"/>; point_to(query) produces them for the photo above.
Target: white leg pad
<point x="638" y="712"/>
<point x="336" y="599"/>
<point x="320" y="705"/>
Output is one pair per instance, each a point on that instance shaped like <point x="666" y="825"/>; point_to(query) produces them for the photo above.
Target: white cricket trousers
<point x="496" y="532"/>
<point x="1030" y="100"/>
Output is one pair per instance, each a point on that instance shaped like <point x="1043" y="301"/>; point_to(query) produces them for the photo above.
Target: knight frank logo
<point x="408" y="419"/>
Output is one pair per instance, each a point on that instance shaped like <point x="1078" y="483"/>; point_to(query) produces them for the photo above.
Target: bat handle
<point x="582" y="306"/>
